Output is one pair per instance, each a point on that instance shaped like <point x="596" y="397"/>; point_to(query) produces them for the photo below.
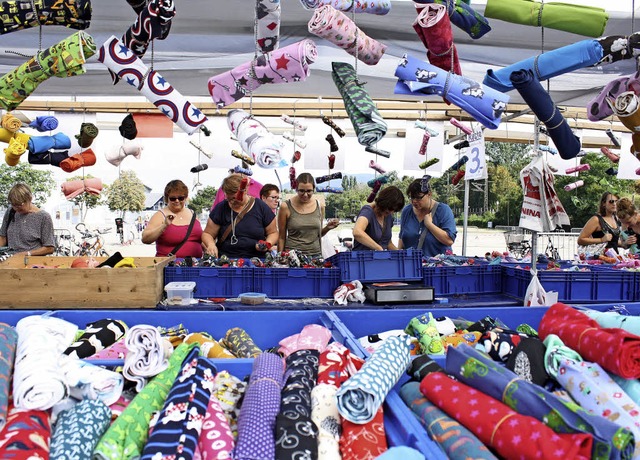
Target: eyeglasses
<point x="613" y="201"/>
<point x="177" y="198"/>
<point x="276" y="198"/>
<point x="418" y="197"/>
<point x="305" y="192"/>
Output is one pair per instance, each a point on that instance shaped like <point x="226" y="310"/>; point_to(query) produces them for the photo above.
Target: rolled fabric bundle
<point x="336" y="27"/>
<point x="538" y="99"/>
<point x="8" y="342"/>
<point x="434" y="30"/>
<point x="118" y="153"/>
<point x="153" y="22"/>
<point x="463" y="16"/>
<point x="312" y="337"/>
<point x="17" y="146"/>
<point x="147" y="354"/>
<point x="97" y="336"/>
<point x="118" y="350"/>
<point x="598" y="109"/>
<point x="589" y="21"/>
<point x="484" y="104"/>
<point x="552" y="63"/>
<point x="128" y="128"/>
<point x="10" y="123"/>
<point x="88" y="132"/>
<point x="216" y="439"/>
<point x="87" y="381"/>
<point x="73" y="188"/>
<point x="44" y="123"/>
<point x="268" y="24"/>
<point x="362" y="111"/>
<point x="618" y="47"/>
<point x="28" y="433"/>
<point x="255" y="140"/>
<point x="41" y="144"/>
<point x="24" y="14"/>
<point x="379" y="7"/>
<point x="625" y="107"/>
<point x="64" y="59"/>
<point x="285" y="65"/>
<point x="50" y="157"/>
<point x="79" y="160"/>
<point x="79" y="429"/>
<point x="125" y="64"/>
<point x="209" y="347"/>
<point x="238" y="342"/>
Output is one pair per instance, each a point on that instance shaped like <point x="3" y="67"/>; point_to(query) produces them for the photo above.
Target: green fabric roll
<point x="582" y="20"/>
<point x="65" y="59"/>
<point x="127" y="436"/>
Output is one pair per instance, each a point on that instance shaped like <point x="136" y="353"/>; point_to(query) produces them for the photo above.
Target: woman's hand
<point x="606" y="238"/>
<point x="333" y="223"/>
<point x="428" y="220"/>
<point x="211" y="249"/>
<point x="631" y="240"/>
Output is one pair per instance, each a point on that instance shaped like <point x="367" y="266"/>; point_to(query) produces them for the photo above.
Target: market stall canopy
<point x="209" y="37"/>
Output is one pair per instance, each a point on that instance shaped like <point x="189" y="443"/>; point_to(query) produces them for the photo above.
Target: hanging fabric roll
<point x="73" y="188"/>
<point x="79" y="160"/>
<point x="49" y="157"/>
<point x="618" y="47"/>
<point x="598" y="109"/>
<point x="44" y="123"/>
<point x="25" y="14"/>
<point x="268" y="25"/>
<point x="379" y="7"/>
<point x="117" y="153"/>
<point x="336" y="27"/>
<point x="40" y="144"/>
<point x="627" y="108"/>
<point x="434" y="30"/>
<point x="255" y="140"/>
<point x="463" y="16"/>
<point x="285" y="65"/>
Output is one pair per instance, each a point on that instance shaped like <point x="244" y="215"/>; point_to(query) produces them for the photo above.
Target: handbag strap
<point x="423" y="235"/>
<point x="186" y="237"/>
<point x="237" y="219"/>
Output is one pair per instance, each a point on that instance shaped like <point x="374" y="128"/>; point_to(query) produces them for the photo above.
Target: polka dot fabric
<point x="616" y="350"/>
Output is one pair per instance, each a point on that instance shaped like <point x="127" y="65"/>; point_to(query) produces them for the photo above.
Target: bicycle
<point x="92" y="243"/>
<point x="516" y="244"/>
<point x="64" y="242"/>
<point x="551" y="252"/>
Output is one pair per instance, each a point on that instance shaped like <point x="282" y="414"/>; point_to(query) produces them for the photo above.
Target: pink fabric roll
<point x="73" y="188"/>
<point x="116" y="351"/>
<point x="285" y="65"/>
<point x="336" y="27"/>
<point x="216" y="439"/>
<point x="434" y="29"/>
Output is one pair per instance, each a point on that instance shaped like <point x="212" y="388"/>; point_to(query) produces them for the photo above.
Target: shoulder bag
<point x="238" y="218"/>
<point x="175" y="250"/>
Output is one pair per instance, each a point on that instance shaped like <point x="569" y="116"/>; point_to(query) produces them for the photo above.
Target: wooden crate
<point x="56" y="286"/>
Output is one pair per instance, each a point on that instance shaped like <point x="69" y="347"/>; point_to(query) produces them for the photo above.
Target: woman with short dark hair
<point x="375" y="221"/>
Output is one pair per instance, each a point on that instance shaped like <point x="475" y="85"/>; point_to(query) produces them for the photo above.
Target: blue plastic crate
<point x="296" y="283"/>
<point x="213" y="281"/>
<point x="467" y="279"/>
<point x="514" y="281"/>
<point x="369" y="266"/>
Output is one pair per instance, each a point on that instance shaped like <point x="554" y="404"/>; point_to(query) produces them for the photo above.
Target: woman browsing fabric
<point x="172" y="227"/>
<point x="603" y="227"/>
<point x="240" y="225"/>
<point x="626" y="212"/>
<point x="26" y="229"/>
<point x="425" y="223"/>
<point x="372" y="230"/>
<point x="270" y="194"/>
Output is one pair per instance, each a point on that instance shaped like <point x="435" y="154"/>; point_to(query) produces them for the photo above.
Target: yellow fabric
<point x="208" y="347"/>
<point x="125" y="262"/>
<point x="10" y="122"/>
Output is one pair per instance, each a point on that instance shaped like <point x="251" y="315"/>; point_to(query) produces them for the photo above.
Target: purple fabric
<point x="374" y="229"/>
<point x="598" y="109"/>
<point x="257" y="419"/>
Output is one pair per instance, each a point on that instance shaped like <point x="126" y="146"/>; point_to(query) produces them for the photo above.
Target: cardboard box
<point x="57" y="286"/>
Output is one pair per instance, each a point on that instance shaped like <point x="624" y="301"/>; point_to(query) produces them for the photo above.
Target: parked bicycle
<point x="517" y="245"/>
<point x="551" y="251"/>
<point x="92" y="242"/>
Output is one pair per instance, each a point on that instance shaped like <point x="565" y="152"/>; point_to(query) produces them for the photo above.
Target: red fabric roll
<point x="499" y="427"/>
<point x="363" y="442"/>
<point x="434" y="29"/>
<point x="615" y="349"/>
<point x="26" y="435"/>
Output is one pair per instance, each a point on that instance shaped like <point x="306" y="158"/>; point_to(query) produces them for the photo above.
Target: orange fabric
<point x="77" y="161"/>
<point x="153" y="125"/>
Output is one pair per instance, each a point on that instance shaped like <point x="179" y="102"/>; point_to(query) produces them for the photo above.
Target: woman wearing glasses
<point x="169" y="227"/>
<point x="270" y="194"/>
<point x="239" y="227"/>
<point x="425" y="223"/>
<point x="300" y="220"/>
<point x="603" y="227"/>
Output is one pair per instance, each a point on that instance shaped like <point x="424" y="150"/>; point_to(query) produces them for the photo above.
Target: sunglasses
<point x="177" y="198"/>
<point x="613" y="201"/>
<point x="418" y="197"/>
<point x="305" y="192"/>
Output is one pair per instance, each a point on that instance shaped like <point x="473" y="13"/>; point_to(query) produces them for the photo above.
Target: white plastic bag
<point x="327" y="247"/>
<point x="536" y="294"/>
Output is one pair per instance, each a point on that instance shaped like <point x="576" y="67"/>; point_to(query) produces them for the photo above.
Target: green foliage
<point x="85" y="201"/>
<point x="349" y="182"/>
<point x="476" y="220"/>
<point x="126" y="193"/>
<point x="202" y="200"/>
<point x="41" y="182"/>
<point x="347" y="204"/>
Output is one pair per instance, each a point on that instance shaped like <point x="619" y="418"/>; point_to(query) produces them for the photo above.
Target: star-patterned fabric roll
<point x="379" y="7"/>
<point x="463" y="16"/>
<point x="614" y="349"/>
<point x="434" y="30"/>
<point x="64" y="59"/>
<point x="268" y="25"/>
<point x="360" y="397"/>
<point x="255" y="140"/>
<point x="8" y="342"/>
<point x="24" y="14"/>
<point x="285" y="65"/>
<point x="336" y="27"/>
<point x="126" y="65"/>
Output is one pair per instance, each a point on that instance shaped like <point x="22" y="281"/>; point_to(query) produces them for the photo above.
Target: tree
<point x="41" y="182"/>
<point x="85" y="201"/>
<point x="203" y="199"/>
<point x="126" y="193"/>
<point x="506" y="192"/>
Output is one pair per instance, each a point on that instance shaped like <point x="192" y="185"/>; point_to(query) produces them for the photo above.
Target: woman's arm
<point x="441" y="235"/>
<point x="271" y="232"/>
<point x="361" y="236"/>
<point x="330" y="225"/>
<point x="209" y="235"/>
<point x="586" y="237"/>
<point x="156" y="227"/>
<point x="283" y="217"/>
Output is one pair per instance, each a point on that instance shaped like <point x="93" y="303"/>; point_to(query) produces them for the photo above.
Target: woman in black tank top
<point x="603" y="227"/>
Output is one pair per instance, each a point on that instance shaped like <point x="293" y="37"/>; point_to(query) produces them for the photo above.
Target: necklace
<point x="234" y="238"/>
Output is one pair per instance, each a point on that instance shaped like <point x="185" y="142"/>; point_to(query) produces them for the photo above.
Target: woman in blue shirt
<point x="428" y="220"/>
<point x="374" y="222"/>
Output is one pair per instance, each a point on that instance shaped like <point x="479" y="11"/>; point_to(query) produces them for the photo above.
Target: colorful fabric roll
<point x="362" y="111"/>
<point x="380" y="7"/>
<point x="87" y="381"/>
<point x="209" y="347"/>
<point x="535" y="96"/>
<point x="128" y="434"/>
<point x="479" y="371"/>
<point x="268" y="25"/>
<point x="10" y="123"/>
<point x="499" y="343"/>
<point x="336" y="27"/>
<point x="128" y="128"/>
<point x="229" y="390"/>
<point x="434" y="30"/>
<point x="26" y="435"/>
<point x="550" y="64"/>
<point x="457" y="442"/>
<point x="255" y="140"/>
<point x="557" y="352"/>
<point x="42" y="144"/>
<point x="116" y="351"/>
<point x="598" y="109"/>
<point x="216" y="439"/>
<point x="285" y="65"/>
<point x="153" y="22"/>
<point x="527" y="361"/>
<point x="626" y="107"/>
<point x="77" y="161"/>
<point x="325" y="415"/>
<point x="25" y="14"/>
<point x="147" y="354"/>
<point x="463" y="16"/>
<point x="8" y="342"/>
<point x="500" y="428"/>
<point x="18" y="143"/>
<point x="125" y="64"/>
<point x="613" y="319"/>
<point x="78" y="430"/>
<point x="312" y="337"/>
<point x="618" y="47"/>
<point x="484" y="104"/>
<point x="614" y="349"/>
<point x="337" y="364"/>
<point x="64" y="59"/>
<point x="118" y="153"/>
<point x="423" y="327"/>
<point x="73" y="188"/>
<point x="578" y="19"/>
<point x="44" y="123"/>
<point x="363" y="440"/>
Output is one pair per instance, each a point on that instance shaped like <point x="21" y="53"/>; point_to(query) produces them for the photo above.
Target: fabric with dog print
<point x="179" y="424"/>
<point x="463" y="16"/>
<point x="481" y="372"/>
<point x="434" y="30"/>
<point x="25" y="14"/>
<point x="128" y="434"/>
<point x="614" y="349"/>
<point x="484" y="104"/>
<point x="507" y="433"/>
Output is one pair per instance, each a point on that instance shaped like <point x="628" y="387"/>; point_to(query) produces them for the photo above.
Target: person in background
<point x="626" y="212"/>
<point x="604" y="226"/>
<point x="300" y="220"/>
<point x="270" y="194"/>
<point x="236" y="228"/>
<point x="26" y="229"/>
<point x="168" y="227"/>
<point x="425" y="223"/>
<point x="375" y="221"/>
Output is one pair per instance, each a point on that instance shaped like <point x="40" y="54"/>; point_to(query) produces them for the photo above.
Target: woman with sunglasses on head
<point x="626" y="212"/>
<point x="169" y="227"/>
<point x="425" y="223"/>
<point x="300" y="220"/>
<point x="603" y="227"/>
<point x="240" y="225"/>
